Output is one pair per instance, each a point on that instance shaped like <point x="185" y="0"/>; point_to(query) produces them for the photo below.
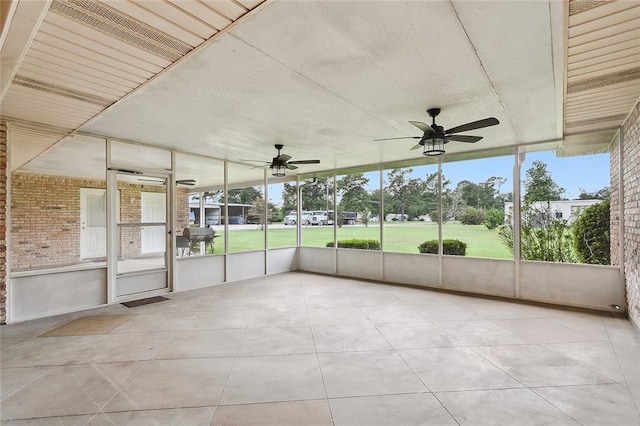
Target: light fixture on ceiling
<point x="279" y="169"/>
<point x="434" y="146"/>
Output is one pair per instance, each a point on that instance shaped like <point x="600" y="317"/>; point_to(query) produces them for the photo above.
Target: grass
<point x="398" y="237"/>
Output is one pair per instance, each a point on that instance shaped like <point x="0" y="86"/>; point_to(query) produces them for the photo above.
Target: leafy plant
<point x="472" y="216"/>
<point x="493" y="218"/>
<point x="542" y="236"/>
<point x="449" y="247"/>
<point x="591" y="235"/>
<point x="356" y="243"/>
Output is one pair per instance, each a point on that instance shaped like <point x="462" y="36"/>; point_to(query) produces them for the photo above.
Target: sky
<point x="590" y="172"/>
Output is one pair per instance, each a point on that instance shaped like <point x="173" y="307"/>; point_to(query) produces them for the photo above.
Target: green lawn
<point x="398" y="237"/>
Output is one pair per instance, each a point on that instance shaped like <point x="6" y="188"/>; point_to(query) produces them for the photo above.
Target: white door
<point x="93" y="223"/>
<point x="153" y="211"/>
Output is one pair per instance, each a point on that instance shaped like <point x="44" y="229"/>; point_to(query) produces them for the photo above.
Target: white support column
<point x="623" y="285"/>
<point x="226" y="221"/>
<point x="517" y="217"/>
<point x="265" y="227"/>
<point x="170" y="253"/>
<point x="440" y="216"/>
<point x="380" y="216"/>
<point x="113" y="238"/>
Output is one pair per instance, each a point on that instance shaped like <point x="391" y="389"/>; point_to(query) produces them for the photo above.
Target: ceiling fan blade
<point x="291" y="167"/>
<point x="492" y="121"/>
<point x="416" y="146"/>
<point x="403" y="137"/>
<point x="283" y="158"/>
<point x="187" y="182"/>
<point x="256" y="161"/>
<point x="464" y="138"/>
<point x="304" y="162"/>
<point x="422" y="126"/>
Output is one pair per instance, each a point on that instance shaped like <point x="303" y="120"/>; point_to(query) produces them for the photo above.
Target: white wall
<point x="242" y="266"/>
<point x="495" y="277"/>
<point x="42" y="295"/>
<point x="199" y="271"/>
<point x="282" y="260"/>
<point x="411" y="268"/>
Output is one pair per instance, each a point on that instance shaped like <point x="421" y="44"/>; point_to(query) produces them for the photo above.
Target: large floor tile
<point x="339" y="300"/>
<point x="367" y="373"/>
<point x="406" y="410"/>
<point x="80" y="420"/>
<point x="609" y="404"/>
<point x="535" y="365"/>
<point x="519" y="407"/>
<point x="596" y="356"/>
<point x="123" y="347"/>
<point x="203" y="344"/>
<point x="179" y="417"/>
<point x="174" y="383"/>
<point x="544" y="330"/>
<point x="13" y="379"/>
<point x="294" y="413"/>
<point x="68" y="390"/>
<point x="336" y="316"/>
<point x="417" y="335"/>
<point x="279" y="317"/>
<point x="272" y="379"/>
<point x="460" y="368"/>
<point x="481" y="332"/>
<point x="277" y="341"/>
<point x="502" y="310"/>
<point x="392" y="314"/>
<point x="376" y="299"/>
<point x="446" y="312"/>
<point x="45" y="351"/>
<point x="342" y="338"/>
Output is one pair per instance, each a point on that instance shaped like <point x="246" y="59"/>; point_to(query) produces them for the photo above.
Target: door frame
<point x="113" y="217"/>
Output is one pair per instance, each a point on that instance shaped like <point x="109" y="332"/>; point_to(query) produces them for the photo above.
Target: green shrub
<point x="450" y="247"/>
<point x="472" y="216"/>
<point x="356" y="243"/>
<point x="543" y="237"/>
<point x="591" y="235"/>
<point x="494" y="218"/>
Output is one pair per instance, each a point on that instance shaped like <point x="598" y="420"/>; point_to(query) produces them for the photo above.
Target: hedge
<point x="450" y="247"/>
<point x="356" y="243"/>
<point x="591" y="234"/>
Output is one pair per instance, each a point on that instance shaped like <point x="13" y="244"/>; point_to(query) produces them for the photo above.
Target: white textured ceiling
<point x="322" y="78"/>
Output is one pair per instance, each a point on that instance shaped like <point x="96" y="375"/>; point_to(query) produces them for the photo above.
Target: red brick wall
<point x="3" y="222"/>
<point x="45" y="218"/>
<point x="631" y="209"/>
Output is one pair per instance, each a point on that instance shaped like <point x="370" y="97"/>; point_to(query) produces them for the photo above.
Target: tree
<point x="601" y="194"/>
<point x="539" y="185"/>
<point x="353" y="195"/>
<point x="245" y="195"/>
<point x="256" y="212"/>
<point x="316" y="196"/>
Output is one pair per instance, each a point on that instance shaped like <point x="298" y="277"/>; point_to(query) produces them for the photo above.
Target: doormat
<point x="97" y="324"/>
<point x="148" y="300"/>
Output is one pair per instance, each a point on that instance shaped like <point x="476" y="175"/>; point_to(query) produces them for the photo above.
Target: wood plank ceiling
<point x="88" y="54"/>
<point x="603" y="71"/>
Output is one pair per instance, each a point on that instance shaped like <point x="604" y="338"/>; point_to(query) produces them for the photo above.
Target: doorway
<point x="93" y="223"/>
<point x="142" y="234"/>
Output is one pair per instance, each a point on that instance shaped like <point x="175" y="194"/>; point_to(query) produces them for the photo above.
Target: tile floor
<point x="305" y="349"/>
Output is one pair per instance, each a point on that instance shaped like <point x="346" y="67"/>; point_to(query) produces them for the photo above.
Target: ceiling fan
<point x="434" y="137"/>
<point x="280" y="163"/>
<point x="185" y="182"/>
